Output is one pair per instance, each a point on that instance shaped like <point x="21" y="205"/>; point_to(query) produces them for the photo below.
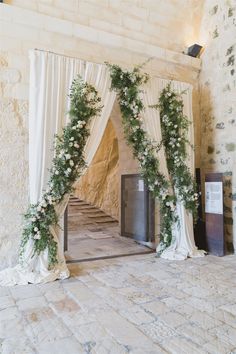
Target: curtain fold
<point x="51" y="76"/>
<point x="183" y="244"/>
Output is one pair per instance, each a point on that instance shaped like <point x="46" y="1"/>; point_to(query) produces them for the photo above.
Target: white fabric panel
<point x="50" y="80"/>
<point x="51" y="76"/>
<point x="183" y="244"/>
<point x="98" y="75"/>
<point x="151" y="118"/>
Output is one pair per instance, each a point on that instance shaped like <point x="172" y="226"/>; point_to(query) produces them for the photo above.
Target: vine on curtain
<point x="50" y="76"/>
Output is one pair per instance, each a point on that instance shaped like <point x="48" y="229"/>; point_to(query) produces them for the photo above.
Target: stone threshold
<point x="110" y="257"/>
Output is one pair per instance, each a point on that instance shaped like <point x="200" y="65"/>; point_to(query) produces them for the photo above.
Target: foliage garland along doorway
<point x="68" y="163"/>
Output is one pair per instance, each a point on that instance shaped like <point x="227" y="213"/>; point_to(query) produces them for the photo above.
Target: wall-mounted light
<point x="194" y="50"/>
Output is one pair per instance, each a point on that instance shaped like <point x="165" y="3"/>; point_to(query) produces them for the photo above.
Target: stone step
<point x="82" y="213"/>
<point x="92" y="212"/>
<point x="107" y="222"/>
<point x="79" y="204"/>
<point x="99" y="216"/>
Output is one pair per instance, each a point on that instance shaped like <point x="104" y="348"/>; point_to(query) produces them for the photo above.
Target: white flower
<point x="37" y="236"/>
<point x="74" y="127"/>
<point x="67" y="156"/>
<point x="69" y="169"/>
<point x="44" y="204"/>
<point x="72" y="138"/>
<point x="71" y="163"/>
<point x="39" y="208"/>
<point x="56" y="172"/>
<point x="76" y="145"/>
<point x="36" y="229"/>
<point x="175" y="126"/>
<point x="33" y="219"/>
<point x="50" y="201"/>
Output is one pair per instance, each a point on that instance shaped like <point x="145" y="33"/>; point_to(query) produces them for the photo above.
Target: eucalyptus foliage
<point x="67" y="165"/>
<point x="174" y="127"/>
<point x="127" y="86"/>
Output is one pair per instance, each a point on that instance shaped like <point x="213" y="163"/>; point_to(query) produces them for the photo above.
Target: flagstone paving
<point x="94" y="234"/>
<point x="136" y="304"/>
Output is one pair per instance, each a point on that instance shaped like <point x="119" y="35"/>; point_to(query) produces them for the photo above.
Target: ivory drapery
<point x="183" y="244"/>
<point x="51" y="76"/>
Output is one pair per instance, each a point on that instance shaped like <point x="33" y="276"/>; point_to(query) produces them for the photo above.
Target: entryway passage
<point x="92" y="234"/>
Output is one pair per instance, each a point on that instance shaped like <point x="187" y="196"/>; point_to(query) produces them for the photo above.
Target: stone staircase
<point x="82" y="213"/>
<point x="92" y="234"/>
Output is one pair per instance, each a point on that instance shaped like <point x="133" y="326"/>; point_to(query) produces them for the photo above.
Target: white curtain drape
<point x="51" y="76"/>
<point x="183" y="244"/>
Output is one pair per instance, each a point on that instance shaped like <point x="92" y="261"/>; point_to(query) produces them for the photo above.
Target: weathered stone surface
<point x="195" y="315"/>
<point x="218" y="96"/>
<point x="13" y="177"/>
<point x="100" y="184"/>
<point x="9" y="75"/>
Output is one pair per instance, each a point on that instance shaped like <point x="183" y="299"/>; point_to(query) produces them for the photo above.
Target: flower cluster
<point x="174" y="126"/>
<point x="127" y="85"/>
<point x="68" y="164"/>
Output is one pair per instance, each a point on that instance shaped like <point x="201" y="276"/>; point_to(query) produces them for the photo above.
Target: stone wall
<point x="218" y="97"/>
<point x="149" y="21"/>
<point x="13" y="163"/>
<point x="75" y="34"/>
<point x="100" y="184"/>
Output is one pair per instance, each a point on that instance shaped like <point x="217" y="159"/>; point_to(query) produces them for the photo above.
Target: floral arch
<point x="156" y="128"/>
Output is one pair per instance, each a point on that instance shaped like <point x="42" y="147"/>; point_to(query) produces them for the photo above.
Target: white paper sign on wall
<point x="214" y="197"/>
<point x="141" y="185"/>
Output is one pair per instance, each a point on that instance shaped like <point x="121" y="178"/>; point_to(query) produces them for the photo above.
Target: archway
<point x="94" y="211"/>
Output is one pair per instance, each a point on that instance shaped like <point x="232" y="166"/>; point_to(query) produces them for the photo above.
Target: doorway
<point x="93" y="221"/>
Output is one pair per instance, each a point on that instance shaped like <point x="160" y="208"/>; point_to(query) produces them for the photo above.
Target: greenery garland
<point x="174" y="127"/>
<point x="127" y="86"/>
<point x="68" y="164"/>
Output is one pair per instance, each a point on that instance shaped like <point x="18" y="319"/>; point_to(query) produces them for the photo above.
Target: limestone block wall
<point x="218" y="101"/>
<point x="13" y="162"/>
<point x="26" y="28"/>
<point x="149" y="21"/>
<point x="100" y="184"/>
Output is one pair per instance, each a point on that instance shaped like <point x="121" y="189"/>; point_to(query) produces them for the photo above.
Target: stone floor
<point x="92" y="234"/>
<point x="137" y="304"/>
